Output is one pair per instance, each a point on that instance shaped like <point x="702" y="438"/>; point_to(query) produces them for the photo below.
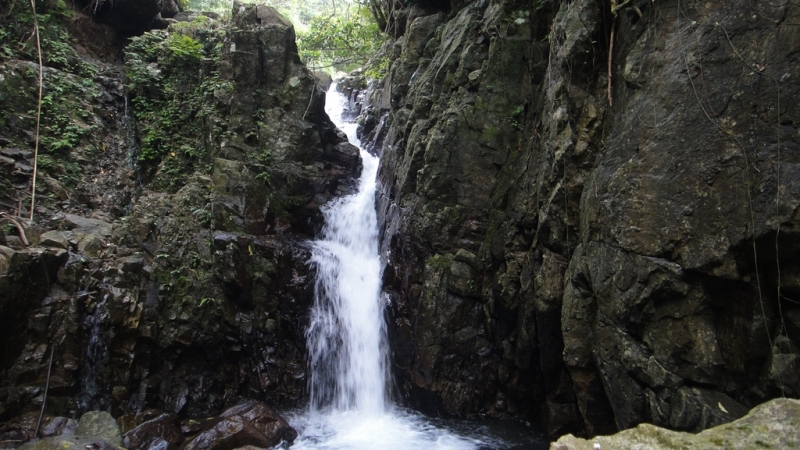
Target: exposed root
<point x="21" y="230"/>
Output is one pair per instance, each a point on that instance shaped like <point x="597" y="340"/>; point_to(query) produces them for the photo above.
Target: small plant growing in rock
<point x="184" y="48"/>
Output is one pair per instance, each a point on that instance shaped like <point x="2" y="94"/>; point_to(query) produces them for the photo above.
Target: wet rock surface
<point x="247" y="424"/>
<point x="163" y="430"/>
<point x="549" y="255"/>
<point x="620" y="263"/>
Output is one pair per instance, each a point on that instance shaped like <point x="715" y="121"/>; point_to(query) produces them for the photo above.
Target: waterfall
<point x="94" y="391"/>
<point x="346" y="336"/>
<point x="348" y="351"/>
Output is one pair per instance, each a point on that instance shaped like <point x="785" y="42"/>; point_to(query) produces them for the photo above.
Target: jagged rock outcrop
<point x="613" y="264"/>
<point x="171" y="280"/>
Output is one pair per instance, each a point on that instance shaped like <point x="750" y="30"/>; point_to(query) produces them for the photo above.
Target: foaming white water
<point x="347" y="337"/>
<point x="393" y="430"/>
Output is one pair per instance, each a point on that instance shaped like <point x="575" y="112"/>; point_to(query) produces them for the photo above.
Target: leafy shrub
<point x="184" y="48"/>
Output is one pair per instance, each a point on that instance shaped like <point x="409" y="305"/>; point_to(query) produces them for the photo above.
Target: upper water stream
<point x="349" y="404"/>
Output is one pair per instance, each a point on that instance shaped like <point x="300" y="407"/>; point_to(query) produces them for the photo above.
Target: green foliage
<point x="17" y="40"/>
<point x="172" y="80"/>
<point x="516" y="118"/>
<point x="207" y="300"/>
<point x="184" y="47"/>
<point x="338" y="34"/>
<point x="217" y="6"/>
<point x="378" y="66"/>
<point x="343" y="42"/>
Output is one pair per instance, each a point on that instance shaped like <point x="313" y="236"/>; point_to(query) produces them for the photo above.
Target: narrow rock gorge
<point x="587" y="210"/>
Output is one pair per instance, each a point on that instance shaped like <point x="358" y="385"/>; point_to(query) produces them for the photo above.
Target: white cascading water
<point x="347" y="336"/>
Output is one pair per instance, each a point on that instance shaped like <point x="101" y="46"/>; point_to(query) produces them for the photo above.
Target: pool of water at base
<point x="402" y="429"/>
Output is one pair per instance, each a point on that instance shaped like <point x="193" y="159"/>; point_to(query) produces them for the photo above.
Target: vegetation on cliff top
<point x="331" y="34"/>
<point x="173" y="80"/>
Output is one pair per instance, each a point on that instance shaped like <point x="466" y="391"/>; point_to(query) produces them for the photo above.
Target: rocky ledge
<point x="772" y="425"/>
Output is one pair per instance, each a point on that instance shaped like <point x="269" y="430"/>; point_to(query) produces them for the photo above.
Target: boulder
<point x="229" y="433"/>
<point x="264" y="419"/>
<point x="57" y="426"/>
<point x="323" y="79"/>
<point x="131" y="17"/>
<point x="99" y="424"/>
<point x="54" y="239"/>
<point x="162" y="431"/>
<point x="87" y="225"/>
<point x="774" y="424"/>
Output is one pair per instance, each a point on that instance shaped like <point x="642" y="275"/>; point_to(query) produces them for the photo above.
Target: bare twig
<point x="46" y="387"/>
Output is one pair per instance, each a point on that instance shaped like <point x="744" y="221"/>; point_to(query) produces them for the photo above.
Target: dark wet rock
<point x="249" y="424"/>
<point x="57" y="426"/>
<point x="133" y="263"/>
<point x="5" y="258"/>
<point x="130" y="17"/>
<point x="623" y="257"/>
<point x="160" y="432"/>
<point x="264" y="419"/>
<point x="95" y="430"/>
<point x="150" y="308"/>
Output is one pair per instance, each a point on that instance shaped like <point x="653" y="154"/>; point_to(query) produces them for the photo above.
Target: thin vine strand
<point x="38" y="108"/>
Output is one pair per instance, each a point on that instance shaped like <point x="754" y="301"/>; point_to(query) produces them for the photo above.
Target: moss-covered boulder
<point x="772" y="425"/>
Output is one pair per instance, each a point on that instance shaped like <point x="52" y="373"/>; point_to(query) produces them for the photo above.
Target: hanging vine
<point x="38" y="108"/>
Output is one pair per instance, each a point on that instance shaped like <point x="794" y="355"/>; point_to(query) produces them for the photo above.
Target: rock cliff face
<point x="597" y="265"/>
<point x="549" y="254"/>
<point x="202" y="165"/>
